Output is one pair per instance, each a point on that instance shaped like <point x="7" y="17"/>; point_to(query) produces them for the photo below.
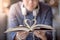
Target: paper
<point x="35" y="27"/>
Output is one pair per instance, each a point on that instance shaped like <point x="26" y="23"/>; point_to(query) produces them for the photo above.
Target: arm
<point x="48" y="21"/>
<point x="49" y="17"/>
<point x="12" y="22"/>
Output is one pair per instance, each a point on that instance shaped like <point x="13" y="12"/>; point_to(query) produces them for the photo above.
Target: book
<point x="25" y="28"/>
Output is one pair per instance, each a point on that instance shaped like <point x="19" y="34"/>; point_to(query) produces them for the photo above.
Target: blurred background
<point x="4" y="9"/>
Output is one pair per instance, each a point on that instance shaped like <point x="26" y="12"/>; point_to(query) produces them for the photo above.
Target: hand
<point x="40" y="34"/>
<point x="22" y="34"/>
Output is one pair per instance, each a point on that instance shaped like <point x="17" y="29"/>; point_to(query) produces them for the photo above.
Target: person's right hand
<point x="22" y="34"/>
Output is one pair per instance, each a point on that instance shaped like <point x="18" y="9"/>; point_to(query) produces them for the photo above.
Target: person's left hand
<point x="40" y="34"/>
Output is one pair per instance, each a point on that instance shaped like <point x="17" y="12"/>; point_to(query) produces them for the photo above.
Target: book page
<point x="17" y="29"/>
<point x="38" y="27"/>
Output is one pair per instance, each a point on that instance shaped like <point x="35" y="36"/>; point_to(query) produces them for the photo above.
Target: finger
<point x="39" y="32"/>
<point x="22" y="35"/>
<point x="42" y="31"/>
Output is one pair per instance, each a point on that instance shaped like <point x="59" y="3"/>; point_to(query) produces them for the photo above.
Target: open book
<point x="35" y="27"/>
